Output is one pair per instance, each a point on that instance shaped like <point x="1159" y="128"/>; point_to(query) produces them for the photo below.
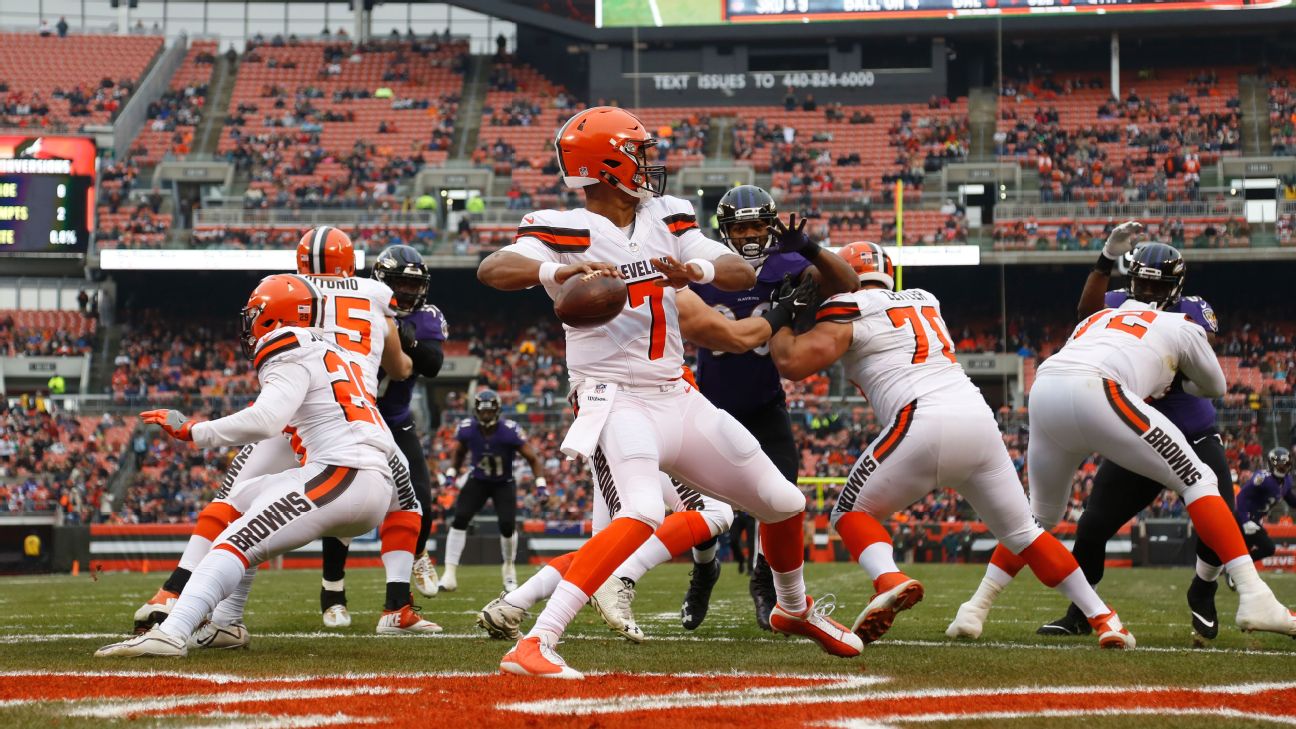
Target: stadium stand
<point x="50" y="461"/>
<point x="173" y="117"/>
<point x="45" y="333"/>
<point x="56" y="83"/>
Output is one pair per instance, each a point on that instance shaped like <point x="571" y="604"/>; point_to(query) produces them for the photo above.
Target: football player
<point x="897" y="352"/>
<point x="314" y="386"/>
<point x="422" y="329"/>
<point x="1119" y="494"/>
<point x="635" y="415"/>
<point x="1258" y="496"/>
<point x="493" y="442"/>
<point x="1089" y="398"/>
<point x="356" y="314"/>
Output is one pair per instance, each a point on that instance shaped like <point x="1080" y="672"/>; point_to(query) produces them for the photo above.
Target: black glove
<point x="791" y="299"/>
<point x="792" y="238"/>
<point x="408" y="338"/>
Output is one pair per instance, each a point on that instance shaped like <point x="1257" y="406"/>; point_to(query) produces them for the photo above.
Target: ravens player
<point x="422" y="329"/>
<point x="734" y="370"/>
<point x="1258" y="496"/>
<point x="1157" y="273"/>
<point x="492" y="442"/>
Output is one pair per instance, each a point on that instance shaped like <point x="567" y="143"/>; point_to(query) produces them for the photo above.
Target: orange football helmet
<point x="870" y="261"/>
<point x="607" y="144"/>
<point x="281" y="300"/>
<point x="326" y="251"/>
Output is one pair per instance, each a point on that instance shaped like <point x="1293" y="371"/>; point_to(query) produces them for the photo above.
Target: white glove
<point x="1121" y="240"/>
<point x="1250" y="527"/>
<point x="540" y="482"/>
<point x="451" y="473"/>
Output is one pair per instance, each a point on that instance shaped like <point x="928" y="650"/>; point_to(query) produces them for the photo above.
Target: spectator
<point x="45" y="31"/>
<point x="62" y="27"/>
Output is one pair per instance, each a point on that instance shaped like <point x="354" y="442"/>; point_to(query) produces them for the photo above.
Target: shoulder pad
<point x="277" y="345"/>
<point x="677" y="214"/>
<point x="563" y="231"/>
<point x="510" y="424"/>
<point x="840" y="308"/>
<point x="465" y="423"/>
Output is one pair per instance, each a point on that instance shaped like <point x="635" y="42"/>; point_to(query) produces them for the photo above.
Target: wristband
<point x="778" y="317"/>
<point x="811" y="252"/>
<point x="1104" y="264"/>
<point x="548" y="270"/>
<point x="708" y="269"/>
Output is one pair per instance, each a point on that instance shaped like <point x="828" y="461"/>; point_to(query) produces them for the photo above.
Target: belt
<point x="664" y="387"/>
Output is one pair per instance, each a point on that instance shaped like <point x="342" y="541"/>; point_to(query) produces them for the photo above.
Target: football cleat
<point x="531" y="657"/>
<point x="697" y="601"/>
<point x="216" y="636"/>
<point x="1201" y="605"/>
<point x="1262" y="612"/>
<point x="405" y="621"/>
<point x="448" y="581"/>
<point x="1073" y="623"/>
<point x="1111" y="634"/>
<point x="612" y="602"/>
<point x="502" y="620"/>
<point x="337" y="616"/>
<point x="761" y="587"/>
<point x="509" y="573"/>
<point x="425" y="576"/>
<point x="969" y="621"/>
<point x="814" y="623"/>
<point x="900" y="593"/>
<point x="152" y="643"/>
<point x="153" y="612"/>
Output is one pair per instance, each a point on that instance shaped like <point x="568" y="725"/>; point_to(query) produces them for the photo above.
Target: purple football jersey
<point x="744" y="383"/>
<point x="1195" y="416"/>
<point x="1258" y="496"/>
<point x="394" y="397"/>
<point x="491" y="454"/>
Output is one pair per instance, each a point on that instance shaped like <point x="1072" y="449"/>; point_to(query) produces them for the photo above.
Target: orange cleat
<point x="156" y="610"/>
<point x="896" y="591"/>
<point x="814" y="623"/>
<point x="405" y="621"/>
<point x="531" y="657"/>
<point x="1111" y="634"/>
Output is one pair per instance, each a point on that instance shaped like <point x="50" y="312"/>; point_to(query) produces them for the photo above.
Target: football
<point x="590" y="300"/>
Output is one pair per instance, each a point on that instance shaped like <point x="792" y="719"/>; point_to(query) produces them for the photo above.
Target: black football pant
<point x="473" y="497"/>
<point x="1260" y="544"/>
<point x="1119" y="495"/>
<point x="773" y="430"/>
<point x="406" y="437"/>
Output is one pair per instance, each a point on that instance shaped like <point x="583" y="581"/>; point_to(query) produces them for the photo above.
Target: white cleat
<point x="337" y="617"/>
<point x="152" y="643"/>
<point x="969" y="621"/>
<point x="213" y="635"/>
<point x="612" y="602"/>
<point x="509" y="573"/>
<point x="1262" y="612"/>
<point x="448" y="581"/>
<point x="425" y="576"/>
<point x="405" y="621"/>
<point x="502" y="620"/>
<point x="153" y="612"/>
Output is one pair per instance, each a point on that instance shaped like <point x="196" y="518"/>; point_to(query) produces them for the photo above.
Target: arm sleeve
<point x="1200" y="365"/>
<point x="427" y="357"/>
<point x="282" y="393"/>
<point x="695" y="245"/>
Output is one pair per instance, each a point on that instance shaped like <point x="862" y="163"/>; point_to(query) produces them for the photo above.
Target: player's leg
<point x="1201" y="591"/>
<point x="504" y="497"/>
<point x="290" y="510"/>
<point x="407" y="439"/>
<point x="722" y="459"/>
<point x="333" y="602"/>
<point x="1261" y="545"/>
<point x="472" y="497"/>
<point x="773" y="430"/>
<point x="1118" y="495"/>
<point x="399" y="537"/>
<point x="1146" y="442"/>
<point x="626" y="461"/>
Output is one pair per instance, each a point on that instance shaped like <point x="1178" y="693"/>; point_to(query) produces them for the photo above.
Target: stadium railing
<point x="303" y="217"/>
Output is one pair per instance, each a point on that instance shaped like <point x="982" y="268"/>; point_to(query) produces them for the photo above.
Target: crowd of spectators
<point x="45" y="334"/>
<point x="1282" y="115"/>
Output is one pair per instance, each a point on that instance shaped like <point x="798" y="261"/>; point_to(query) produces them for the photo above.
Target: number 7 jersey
<point x="900" y="348"/>
<point x="642" y="345"/>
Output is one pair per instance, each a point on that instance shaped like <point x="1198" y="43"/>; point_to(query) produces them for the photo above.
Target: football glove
<point x="541" y="486"/>
<point x="408" y="338"/>
<point x="1250" y="527"/>
<point x="791" y="237"/>
<point x="1122" y="239"/>
<point x="790" y="300"/>
<point x="172" y="421"/>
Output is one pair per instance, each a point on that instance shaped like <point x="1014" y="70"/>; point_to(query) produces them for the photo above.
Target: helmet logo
<point x="582" y="171"/>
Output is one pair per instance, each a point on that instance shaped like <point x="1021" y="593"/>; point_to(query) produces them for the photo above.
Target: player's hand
<point x="1122" y="239"/>
<point x="791" y="237"/>
<point x="540" y="486"/>
<point x="172" y="421"/>
<point x="678" y="275"/>
<point x="579" y="269"/>
<point x="408" y="338"/>
<point x="1250" y="527"/>
<point x="796" y="295"/>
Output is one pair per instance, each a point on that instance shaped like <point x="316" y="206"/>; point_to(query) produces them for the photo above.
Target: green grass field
<point x="54" y="624"/>
<point x="624" y="13"/>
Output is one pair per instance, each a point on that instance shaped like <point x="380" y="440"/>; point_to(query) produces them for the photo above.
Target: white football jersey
<point x="319" y="388"/>
<point x="642" y="345"/>
<point x="355" y="318"/>
<point x="900" y="348"/>
<point x="1140" y="348"/>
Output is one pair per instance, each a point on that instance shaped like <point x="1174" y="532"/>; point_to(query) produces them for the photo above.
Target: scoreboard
<point x="47" y="187"/>
<point x="810" y="10"/>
